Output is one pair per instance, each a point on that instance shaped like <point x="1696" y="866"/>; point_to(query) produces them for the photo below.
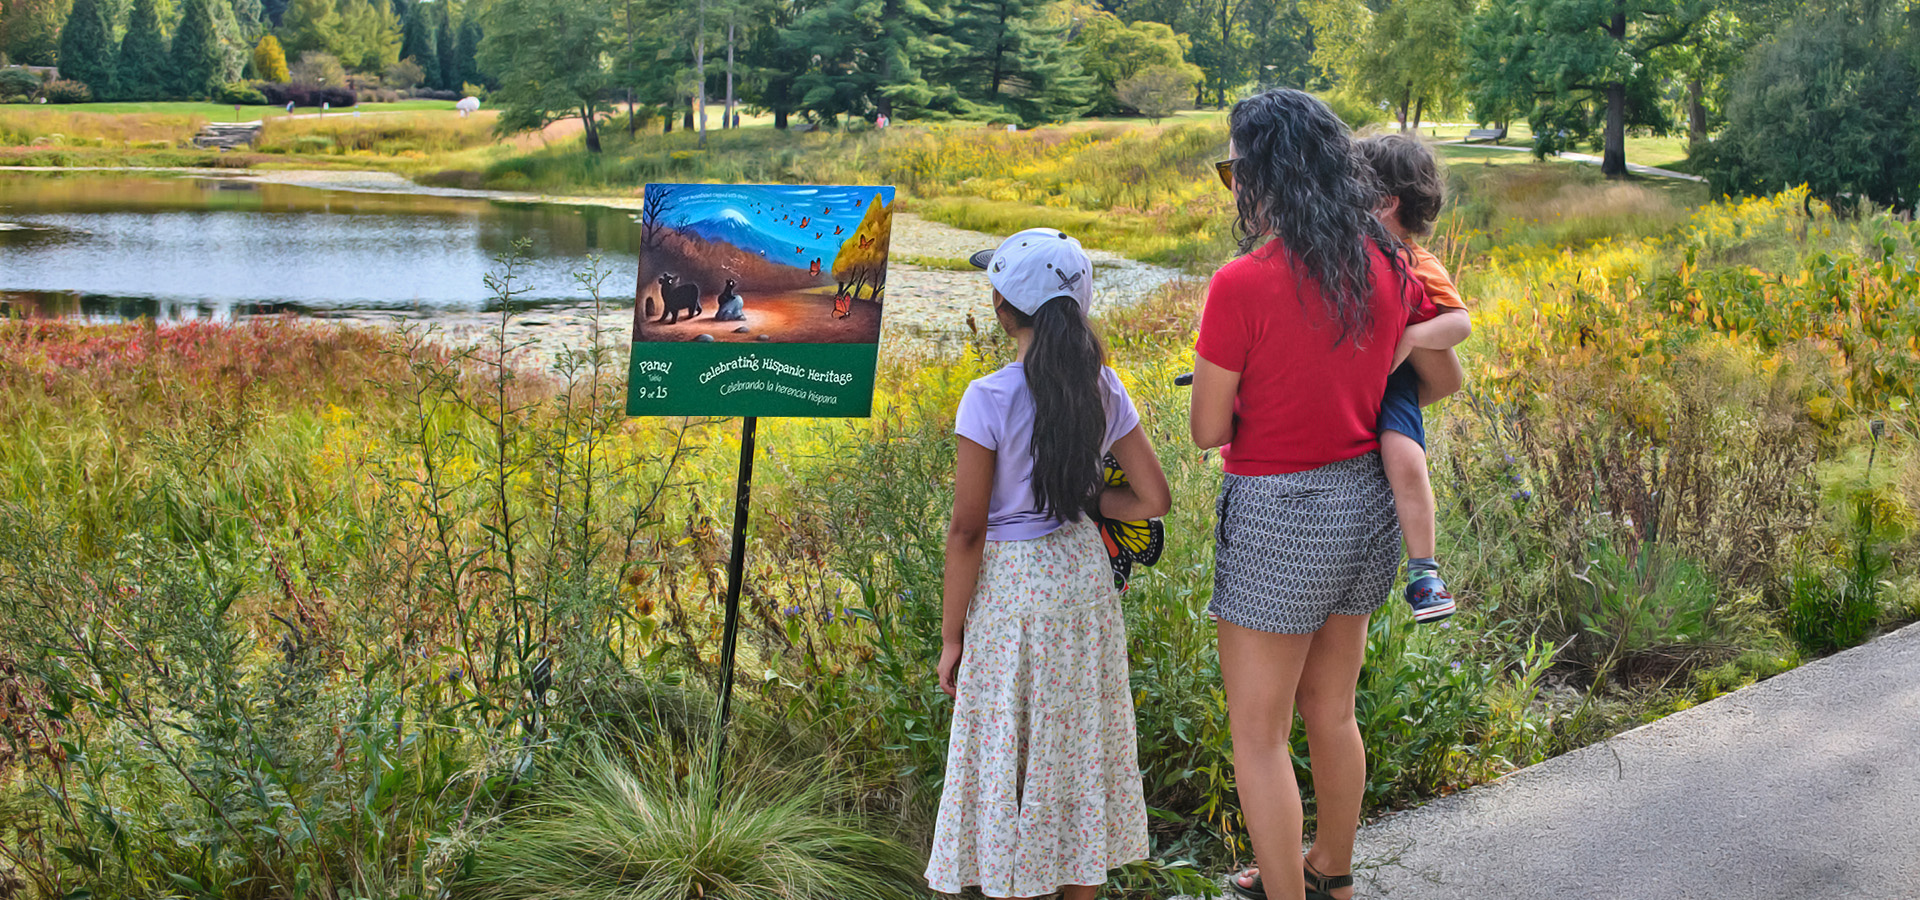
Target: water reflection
<point x="118" y="245"/>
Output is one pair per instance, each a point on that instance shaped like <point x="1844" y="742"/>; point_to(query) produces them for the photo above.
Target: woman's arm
<point x="1211" y="419"/>
<point x="966" y="540"/>
<point x="1146" y="494"/>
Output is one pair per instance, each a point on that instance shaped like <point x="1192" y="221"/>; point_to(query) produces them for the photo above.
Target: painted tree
<point x="1564" y="60"/>
<point x="145" y="68"/>
<point x="861" y="265"/>
<point x="87" y="50"/>
<point x="269" y="61"/>
<point x="550" y="57"/>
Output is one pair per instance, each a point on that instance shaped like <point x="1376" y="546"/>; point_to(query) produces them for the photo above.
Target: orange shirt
<point x="1433" y="276"/>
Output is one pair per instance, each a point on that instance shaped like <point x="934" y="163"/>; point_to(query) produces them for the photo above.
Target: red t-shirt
<point x="1302" y="402"/>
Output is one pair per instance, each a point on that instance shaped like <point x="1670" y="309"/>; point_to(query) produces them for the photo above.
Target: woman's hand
<point x="950" y="666"/>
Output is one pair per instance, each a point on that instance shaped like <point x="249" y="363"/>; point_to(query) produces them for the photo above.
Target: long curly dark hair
<point x="1069" y="413"/>
<point x="1299" y="180"/>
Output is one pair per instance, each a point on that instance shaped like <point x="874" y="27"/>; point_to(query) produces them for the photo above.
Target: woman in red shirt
<point x="1297" y="339"/>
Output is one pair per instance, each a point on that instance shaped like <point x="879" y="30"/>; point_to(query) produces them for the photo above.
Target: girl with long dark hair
<point x="1296" y="341"/>
<point x="1043" y="790"/>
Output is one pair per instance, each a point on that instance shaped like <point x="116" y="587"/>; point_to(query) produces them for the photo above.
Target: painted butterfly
<point x="1128" y="542"/>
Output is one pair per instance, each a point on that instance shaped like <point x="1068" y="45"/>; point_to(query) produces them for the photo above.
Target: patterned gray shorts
<point x="1292" y="549"/>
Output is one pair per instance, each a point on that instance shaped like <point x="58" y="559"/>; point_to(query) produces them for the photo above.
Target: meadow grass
<point x="296" y="610"/>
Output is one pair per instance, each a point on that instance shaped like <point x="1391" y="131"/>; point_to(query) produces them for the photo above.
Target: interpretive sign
<point x="759" y="300"/>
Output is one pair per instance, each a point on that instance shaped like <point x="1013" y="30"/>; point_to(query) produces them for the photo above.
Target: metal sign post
<point x="730" y="635"/>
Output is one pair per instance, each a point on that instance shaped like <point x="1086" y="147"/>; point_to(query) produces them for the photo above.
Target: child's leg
<point x="1406" y="464"/>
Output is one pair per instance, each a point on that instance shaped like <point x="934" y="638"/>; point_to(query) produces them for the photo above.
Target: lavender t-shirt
<point x="996" y="412"/>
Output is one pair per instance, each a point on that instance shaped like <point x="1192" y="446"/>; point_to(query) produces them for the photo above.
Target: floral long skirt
<point x="1043" y="784"/>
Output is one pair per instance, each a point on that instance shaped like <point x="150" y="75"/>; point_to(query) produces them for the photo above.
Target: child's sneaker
<point x="1426" y="593"/>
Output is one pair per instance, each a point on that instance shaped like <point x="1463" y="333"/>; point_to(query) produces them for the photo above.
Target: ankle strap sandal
<point x="1321" y="887"/>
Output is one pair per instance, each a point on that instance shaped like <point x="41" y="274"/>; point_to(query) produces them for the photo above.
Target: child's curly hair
<point x="1407" y="169"/>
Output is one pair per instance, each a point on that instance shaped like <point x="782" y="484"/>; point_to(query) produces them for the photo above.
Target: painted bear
<point x="732" y="308"/>
<point x="677" y="298"/>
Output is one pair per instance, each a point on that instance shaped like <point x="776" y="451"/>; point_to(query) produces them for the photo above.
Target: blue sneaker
<point x="1429" y="598"/>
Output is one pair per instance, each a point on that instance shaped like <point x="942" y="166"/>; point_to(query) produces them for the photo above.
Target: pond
<point x="121" y="245"/>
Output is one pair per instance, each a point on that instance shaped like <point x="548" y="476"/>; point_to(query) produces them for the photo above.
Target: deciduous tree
<point x="1158" y="91"/>
<point x="550" y="58"/>
<point x="1113" y="52"/>
<point x="1561" y="60"/>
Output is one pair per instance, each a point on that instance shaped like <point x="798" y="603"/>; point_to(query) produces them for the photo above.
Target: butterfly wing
<point x="1128" y="542"/>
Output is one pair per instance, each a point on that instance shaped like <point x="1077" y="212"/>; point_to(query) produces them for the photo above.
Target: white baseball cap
<point x="1037" y="265"/>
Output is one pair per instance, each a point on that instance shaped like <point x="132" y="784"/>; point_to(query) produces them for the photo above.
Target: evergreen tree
<point x="418" y="42"/>
<point x="368" y="38"/>
<point x="235" y="45"/>
<point x="312" y="26"/>
<point x="145" y="70"/>
<point x="273" y="12"/>
<point x="1014" y="65"/>
<point x="197" y="57"/>
<point x="269" y="61"/>
<point x="469" y="44"/>
<point x="87" y="51"/>
<point x="869" y="56"/>
<point x="444" y="49"/>
<point x="252" y="16"/>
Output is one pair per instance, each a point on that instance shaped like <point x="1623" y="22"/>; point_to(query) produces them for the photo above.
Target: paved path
<point x="1588" y="158"/>
<point x="1805" y="785"/>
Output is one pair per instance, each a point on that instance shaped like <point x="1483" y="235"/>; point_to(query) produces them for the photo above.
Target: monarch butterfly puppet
<point x="1128" y="542"/>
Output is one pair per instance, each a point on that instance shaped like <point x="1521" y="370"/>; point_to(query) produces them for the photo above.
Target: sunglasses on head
<point x="1224" y="169"/>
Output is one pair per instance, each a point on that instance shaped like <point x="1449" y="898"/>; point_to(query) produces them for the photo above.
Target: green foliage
<point x="239" y="93"/>
<point x="269" y="61"/>
<point x="145" y="71"/>
<point x="62" y="90"/>
<point x="1576" y="68"/>
<point x="1012" y="63"/>
<point x="197" y="53"/>
<point x="840" y="36"/>
<point x="550" y="59"/>
<point x="1156" y="92"/>
<point x="88" y="50"/>
<point x="310" y="26"/>
<point x="1113" y="52"/>
<point x="418" y="42"/>
<point x="18" y="83"/>
<point x="1835" y="81"/>
<point x="1408" y="54"/>
<point x="368" y="38"/>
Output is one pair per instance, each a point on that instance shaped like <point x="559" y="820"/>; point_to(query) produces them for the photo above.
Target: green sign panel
<point x="759" y="300"/>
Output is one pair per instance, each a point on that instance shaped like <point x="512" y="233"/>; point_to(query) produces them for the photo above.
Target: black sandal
<point x="1321" y="887"/>
<point x="1257" y="892"/>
